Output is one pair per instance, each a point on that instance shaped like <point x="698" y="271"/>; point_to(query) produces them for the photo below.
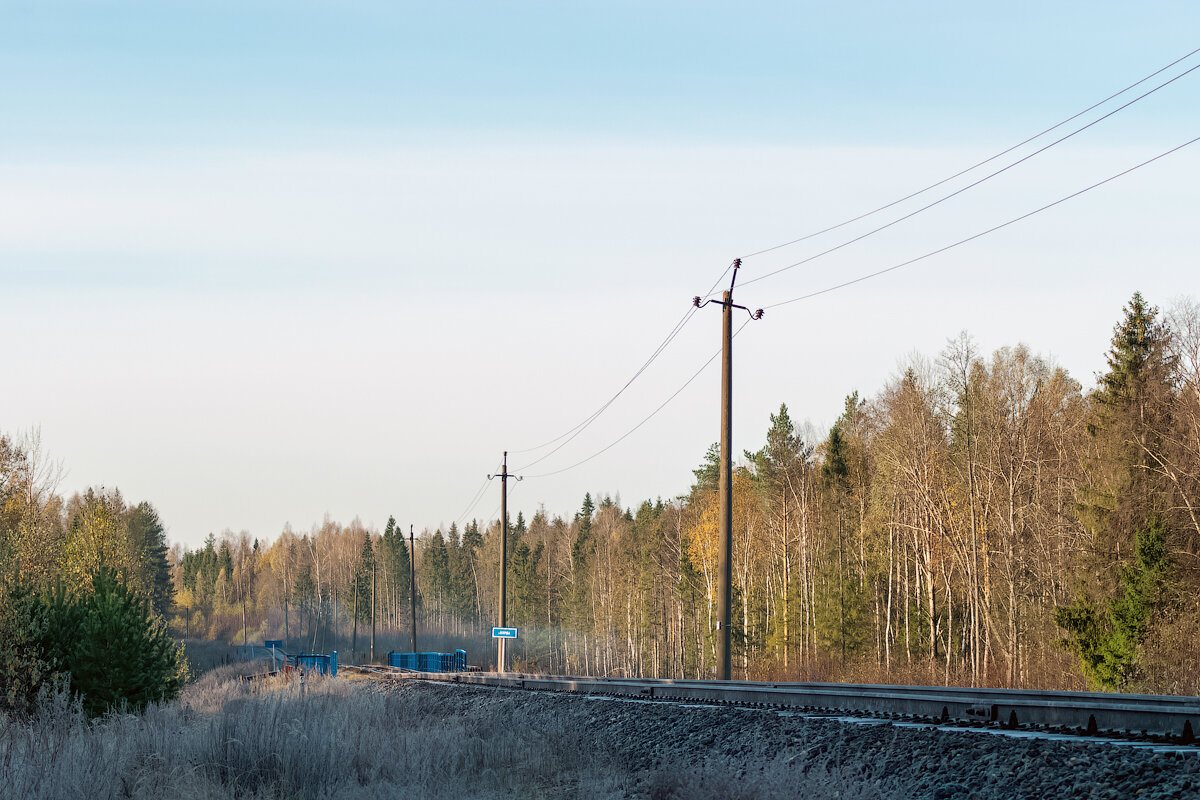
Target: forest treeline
<point x="85" y="585"/>
<point x="46" y="540"/>
<point x="981" y="519"/>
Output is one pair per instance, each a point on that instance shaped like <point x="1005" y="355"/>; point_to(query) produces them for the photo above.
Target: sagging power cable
<point x="974" y="166"/>
<point x="972" y="185"/>
<point x="981" y="234"/>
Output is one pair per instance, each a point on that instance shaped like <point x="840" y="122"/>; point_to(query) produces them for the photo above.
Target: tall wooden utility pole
<point x="725" y="477"/>
<point x="373" y="559"/>
<point x="412" y="582"/>
<point x="503" y="476"/>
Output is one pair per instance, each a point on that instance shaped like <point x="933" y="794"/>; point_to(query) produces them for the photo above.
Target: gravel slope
<point x="660" y="750"/>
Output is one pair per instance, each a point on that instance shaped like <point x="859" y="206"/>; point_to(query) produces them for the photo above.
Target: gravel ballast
<point x="664" y="750"/>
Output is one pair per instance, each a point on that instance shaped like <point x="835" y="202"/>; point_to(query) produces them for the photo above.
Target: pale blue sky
<point x="90" y="75"/>
<point x="266" y="261"/>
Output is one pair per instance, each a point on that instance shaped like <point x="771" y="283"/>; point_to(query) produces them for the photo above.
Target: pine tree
<point x="118" y="653"/>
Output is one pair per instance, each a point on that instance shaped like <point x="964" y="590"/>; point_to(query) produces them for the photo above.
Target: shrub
<point x="25" y="667"/>
<point x="118" y="653"/>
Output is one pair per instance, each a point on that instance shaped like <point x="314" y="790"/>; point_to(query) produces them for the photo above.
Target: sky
<point x="266" y="262"/>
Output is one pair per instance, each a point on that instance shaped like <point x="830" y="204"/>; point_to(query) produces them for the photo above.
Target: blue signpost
<point x="504" y="633"/>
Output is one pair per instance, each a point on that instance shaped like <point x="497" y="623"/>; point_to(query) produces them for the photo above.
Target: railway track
<point x="1150" y="717"/>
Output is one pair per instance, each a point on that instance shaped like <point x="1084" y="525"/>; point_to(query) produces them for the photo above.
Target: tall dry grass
<point x="228" y="738"/>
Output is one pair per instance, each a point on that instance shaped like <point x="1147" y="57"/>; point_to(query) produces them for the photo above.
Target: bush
<point x="25" y="666"/>
<point x="118" y="653"/>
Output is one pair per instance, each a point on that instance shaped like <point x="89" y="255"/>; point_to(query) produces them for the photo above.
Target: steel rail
<point x="1168" y="717"/>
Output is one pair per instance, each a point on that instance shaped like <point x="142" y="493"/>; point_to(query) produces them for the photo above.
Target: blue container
<point x="429" y="662"/>
<point x="315" y="662"/>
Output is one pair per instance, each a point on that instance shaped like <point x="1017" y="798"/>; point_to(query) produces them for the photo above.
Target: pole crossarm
<point x="727" y="300"/>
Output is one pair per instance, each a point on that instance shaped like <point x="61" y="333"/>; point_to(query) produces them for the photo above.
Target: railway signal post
<point x="725" y="477"/>
<point x="503" y="476"/>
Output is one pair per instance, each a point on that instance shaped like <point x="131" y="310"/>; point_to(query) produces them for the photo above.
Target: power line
<point x="650" y="416"/>
<point x="574" y="432"/>
<point x="474" y="502"/>
<point x="571" y="434"/>
<point x="581" y="427"/>
<point x="974" y="166"/>
<point x="987" y="177"/>
<point x="993" y="229"/>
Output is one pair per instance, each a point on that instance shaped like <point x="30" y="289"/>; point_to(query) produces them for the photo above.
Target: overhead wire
<point x="972" y="185"/>
<point x="575" y="431"/>
<point x="974" y="166"/>
<point x="571" y="434"/>
<point x="993" y="229"/>
<point x="473" y="502"/>
<point x="646" y="419"/>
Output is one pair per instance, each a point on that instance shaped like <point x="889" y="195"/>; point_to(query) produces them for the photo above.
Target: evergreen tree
<point x="363" y="576"/>
<point x="709" y="472"/>
<point x="841" y="614"/>
<point x="25" y="665"/>
<point x="583" y="545"/>
<point x="581" y="552"/>
<point x="1130" y="410"/>
<point x="148" y="538"/>
<point x="395" y="565"/>
<point x="435" y="569"/>
<point x="467" y="572"/>
<point x="118" y="653"/>
<point x="1108" y="641"/>
<point x="528" y="589"/>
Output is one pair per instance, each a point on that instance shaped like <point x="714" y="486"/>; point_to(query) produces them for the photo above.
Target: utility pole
<point x="503" y="476"/>
<point x="412" y="582"/>
<point x="725" y="477"/>
<point x="373" y="609"/>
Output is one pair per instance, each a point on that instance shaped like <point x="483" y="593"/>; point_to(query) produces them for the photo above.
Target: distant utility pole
<point x="725" y="479"/>
<point x="412" y="582"/>
<point x="503" y="476"/>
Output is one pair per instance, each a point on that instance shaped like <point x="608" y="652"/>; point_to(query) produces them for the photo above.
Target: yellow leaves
<point x="701" y="537"/>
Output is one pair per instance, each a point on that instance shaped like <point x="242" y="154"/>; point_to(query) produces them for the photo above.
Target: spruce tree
<point x="363" y="577"/>
<point x="1107" y="641"/>
<point x="1129" y="413"/>
<point x="148" y="538"/>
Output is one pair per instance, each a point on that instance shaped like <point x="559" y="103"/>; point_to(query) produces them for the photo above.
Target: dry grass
<point x="227" y="738"/>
